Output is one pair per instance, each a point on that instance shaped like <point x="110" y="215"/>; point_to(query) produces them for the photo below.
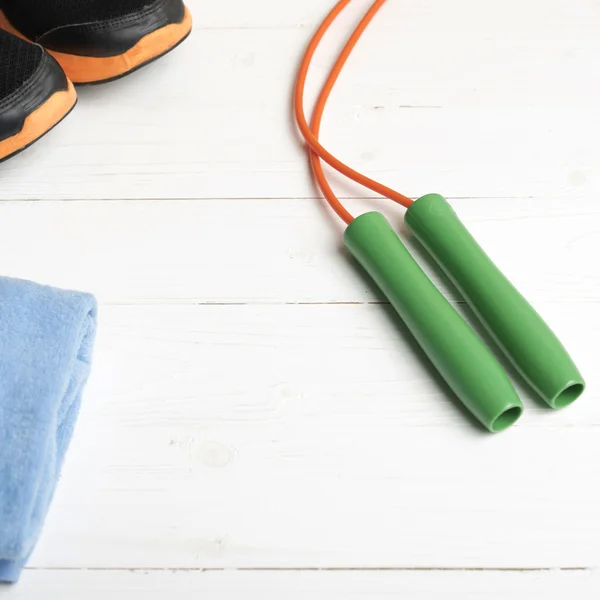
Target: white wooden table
<point x="257" y="425"/>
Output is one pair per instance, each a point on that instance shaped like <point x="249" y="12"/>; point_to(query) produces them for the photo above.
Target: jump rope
<point x="463" y="360"/>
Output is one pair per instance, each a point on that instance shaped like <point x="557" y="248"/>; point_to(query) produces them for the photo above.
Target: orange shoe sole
<point x="88" y="69"/>
<point x="40" y="122"/>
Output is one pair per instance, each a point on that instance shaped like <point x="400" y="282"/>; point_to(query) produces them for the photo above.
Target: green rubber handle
<point x="452" y="346"/>
<point x="513" y="323"/>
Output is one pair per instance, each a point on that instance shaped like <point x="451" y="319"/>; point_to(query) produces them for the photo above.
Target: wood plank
<point x="232" y="585"/>
<point x="312" y="436"/>
<point x="425" y="16"/>
<point x="213" y="119"/>
<point x="276" y="251"/>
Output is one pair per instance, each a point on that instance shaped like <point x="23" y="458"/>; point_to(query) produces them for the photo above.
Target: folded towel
<point x="46" y="339"/>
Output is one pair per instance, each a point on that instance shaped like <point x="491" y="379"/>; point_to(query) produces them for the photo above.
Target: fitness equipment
<point x="452" y="346"/>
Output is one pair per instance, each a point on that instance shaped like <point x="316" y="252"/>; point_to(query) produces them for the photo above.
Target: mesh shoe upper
<point x="18" y="62"/>
<point x="36" y="17"/>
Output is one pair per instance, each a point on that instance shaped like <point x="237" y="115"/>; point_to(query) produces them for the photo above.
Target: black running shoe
<point x="35" y="94"/>
<point x="99" y="40"/>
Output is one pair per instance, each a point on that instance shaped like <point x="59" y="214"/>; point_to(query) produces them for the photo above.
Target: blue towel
<point x="46" y="339"/>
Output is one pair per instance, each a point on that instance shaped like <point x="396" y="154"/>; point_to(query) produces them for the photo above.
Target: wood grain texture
<point x="276" y="251"/>
<point x="231" y="585"/>
<point x="258" y="421"/>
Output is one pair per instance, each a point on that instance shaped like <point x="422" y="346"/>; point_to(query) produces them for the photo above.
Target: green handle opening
<point x="516" y="327"/>
<point x="452" y="346"/>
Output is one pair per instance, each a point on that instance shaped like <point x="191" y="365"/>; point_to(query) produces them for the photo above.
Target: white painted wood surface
<point x="258" y="424"/>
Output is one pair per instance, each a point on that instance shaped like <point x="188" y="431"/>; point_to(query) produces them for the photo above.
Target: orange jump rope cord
<point x="311" y="132"/>
<point x="322" y="102"/>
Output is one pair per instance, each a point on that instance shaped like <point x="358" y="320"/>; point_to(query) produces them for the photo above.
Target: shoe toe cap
<point x="48" y="79"/>
<point x="114" y="36"/>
